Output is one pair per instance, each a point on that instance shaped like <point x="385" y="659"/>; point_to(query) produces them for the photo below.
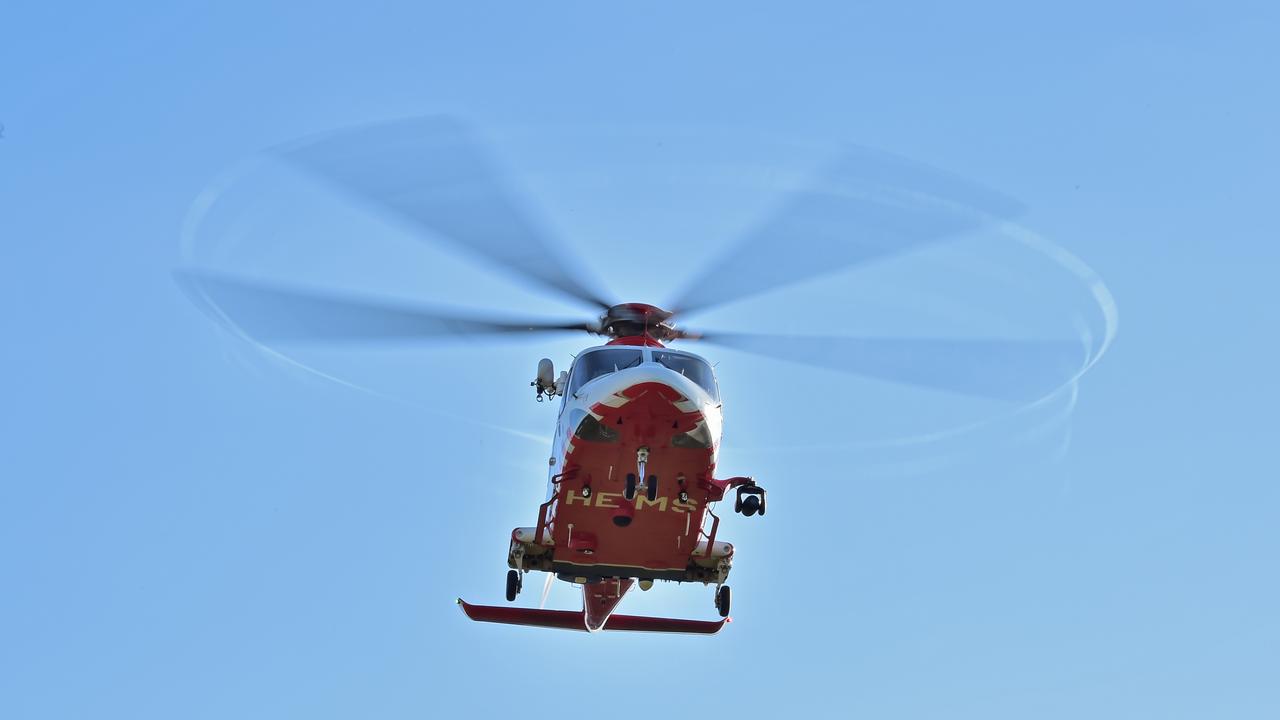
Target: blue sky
<point x="189" y="530"/>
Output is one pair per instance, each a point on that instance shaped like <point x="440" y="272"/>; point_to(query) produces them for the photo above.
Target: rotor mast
<point x="638" y="324"/>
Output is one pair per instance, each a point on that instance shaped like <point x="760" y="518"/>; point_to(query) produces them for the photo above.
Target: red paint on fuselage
<point x="660" y="534"/>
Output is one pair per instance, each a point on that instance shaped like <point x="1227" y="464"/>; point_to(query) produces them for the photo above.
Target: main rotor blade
<point x="270" y="313"/>
<point x="429" y="173"/>
<point x="866" y="206"/>
<point x="546" y="590"/>
<point x="1014" y="370"/>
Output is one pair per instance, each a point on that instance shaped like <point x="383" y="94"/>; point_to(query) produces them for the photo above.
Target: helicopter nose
<point x="670" y="385"/>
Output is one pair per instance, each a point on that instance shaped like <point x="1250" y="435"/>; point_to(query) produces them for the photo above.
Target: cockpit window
<point x="592" y="365"/>
<point x="692" y="367"/>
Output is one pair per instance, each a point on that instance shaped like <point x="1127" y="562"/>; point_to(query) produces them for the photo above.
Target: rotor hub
<point x="638" y="320"/>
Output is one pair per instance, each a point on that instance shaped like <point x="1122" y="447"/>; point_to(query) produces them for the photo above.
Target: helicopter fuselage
<point x="630" y="486"/>
<point x="634" y="453"/>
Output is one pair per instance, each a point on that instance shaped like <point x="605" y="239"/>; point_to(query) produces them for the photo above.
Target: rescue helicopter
<point x="632" y="485"/>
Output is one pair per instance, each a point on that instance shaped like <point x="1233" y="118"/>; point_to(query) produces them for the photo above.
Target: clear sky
<point x="190" y="530"/>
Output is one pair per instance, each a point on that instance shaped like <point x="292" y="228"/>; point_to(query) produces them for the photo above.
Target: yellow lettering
<point x="642" y="501"/>
<point x="570" y="497"/>
<point x="603" y="501"/>
<point x="685" y="505"/>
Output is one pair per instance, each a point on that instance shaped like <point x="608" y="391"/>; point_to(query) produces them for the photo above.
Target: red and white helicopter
<point x="632" y="478"/>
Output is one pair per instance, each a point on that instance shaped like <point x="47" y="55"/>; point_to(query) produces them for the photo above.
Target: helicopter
<point x="631" y="486"/>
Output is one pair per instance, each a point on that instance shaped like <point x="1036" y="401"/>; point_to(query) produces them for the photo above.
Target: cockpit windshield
<point x="592" y="365"/>
<point x="692" y="367"/>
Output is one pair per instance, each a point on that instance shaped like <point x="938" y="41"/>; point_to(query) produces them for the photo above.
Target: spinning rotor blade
<point x="430" y="174"/>
<point x="865" y="207"/>
<point x="271" y="313"/>
<point x="546" y="590"/>
<point x="1015" y="370"/>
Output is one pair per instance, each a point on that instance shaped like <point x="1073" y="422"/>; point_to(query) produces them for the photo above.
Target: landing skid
<point x="576" y="620"/>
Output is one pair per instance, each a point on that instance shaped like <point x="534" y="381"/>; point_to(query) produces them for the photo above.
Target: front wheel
<point x="513" y="585"/>
<point x="722" y="601"/>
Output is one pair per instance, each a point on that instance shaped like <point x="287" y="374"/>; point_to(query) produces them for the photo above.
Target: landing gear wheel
<point x="653" y="488"/>
<point x="514" y="583"/>
<point x="631" y="487"/>
<point x="722" y="601"/>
